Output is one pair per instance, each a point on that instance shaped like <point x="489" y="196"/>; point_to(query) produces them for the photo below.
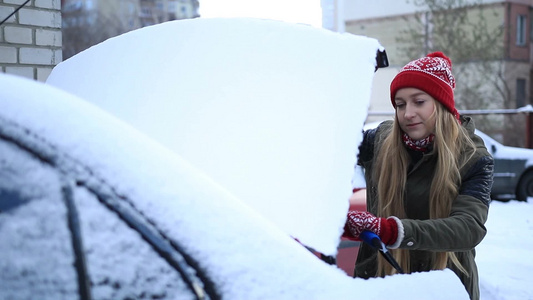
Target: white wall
<point x="363" y="9"/>
<point x="380" y="97"/>
<point x="333" y="15"/>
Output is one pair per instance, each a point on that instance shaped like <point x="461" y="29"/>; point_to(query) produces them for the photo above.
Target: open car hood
<point x="271" y="111"/>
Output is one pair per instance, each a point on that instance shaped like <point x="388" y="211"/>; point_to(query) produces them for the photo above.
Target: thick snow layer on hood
<point x="272" y="111"/>
<point x="247" y="255"/>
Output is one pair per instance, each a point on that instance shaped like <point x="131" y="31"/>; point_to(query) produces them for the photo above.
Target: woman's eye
<point x="400" y="105"/>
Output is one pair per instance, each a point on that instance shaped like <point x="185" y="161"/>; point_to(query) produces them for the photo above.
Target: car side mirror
<point x="382" y="60"/>
<point x="493" y="148"/>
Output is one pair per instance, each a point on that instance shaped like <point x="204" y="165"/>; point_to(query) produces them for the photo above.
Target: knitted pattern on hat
<point x="434" y="64"/>
<point x="431" y="74"/>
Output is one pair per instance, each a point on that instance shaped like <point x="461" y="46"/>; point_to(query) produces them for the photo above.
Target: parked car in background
<point x="513" y="170"/>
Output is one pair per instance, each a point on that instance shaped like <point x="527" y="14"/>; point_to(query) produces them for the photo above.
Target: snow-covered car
<point x="513" y="169"/>
<point x="90" y="208"/>
<point x="270" y="110"/>
<point x="248" y="89"/>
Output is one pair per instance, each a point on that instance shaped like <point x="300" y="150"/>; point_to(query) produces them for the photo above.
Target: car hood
<point x="271" y="111"/>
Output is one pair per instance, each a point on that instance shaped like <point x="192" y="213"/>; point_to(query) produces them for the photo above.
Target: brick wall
<point x="30" y="40"/>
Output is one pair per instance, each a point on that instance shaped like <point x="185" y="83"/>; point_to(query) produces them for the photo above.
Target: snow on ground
<point x="504" y="256"/>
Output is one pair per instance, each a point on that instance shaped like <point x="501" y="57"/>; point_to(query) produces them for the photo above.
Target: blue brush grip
<point x="371" y="238"/>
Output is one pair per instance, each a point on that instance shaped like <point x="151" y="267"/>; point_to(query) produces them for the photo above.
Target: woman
<point x="428" y="180"/>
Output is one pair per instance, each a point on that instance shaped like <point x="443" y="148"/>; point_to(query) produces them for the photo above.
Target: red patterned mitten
<point x="359" y="221"/>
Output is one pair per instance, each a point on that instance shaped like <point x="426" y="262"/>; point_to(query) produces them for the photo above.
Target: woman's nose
<point x="409" y="111"/>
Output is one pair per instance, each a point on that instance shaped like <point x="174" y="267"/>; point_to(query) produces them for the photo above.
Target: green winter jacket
<point x="460" y="232"/>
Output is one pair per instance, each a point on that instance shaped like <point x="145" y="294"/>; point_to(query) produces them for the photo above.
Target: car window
<point x="36" y="256"/>
<point x="121" y="264"/>
<point x="44" y="218"/>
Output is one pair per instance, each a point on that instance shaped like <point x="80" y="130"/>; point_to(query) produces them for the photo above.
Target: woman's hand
<point x="359" y="221"/>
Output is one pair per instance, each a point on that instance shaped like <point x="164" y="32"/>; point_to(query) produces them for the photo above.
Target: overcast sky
<point x="295" y="11"/>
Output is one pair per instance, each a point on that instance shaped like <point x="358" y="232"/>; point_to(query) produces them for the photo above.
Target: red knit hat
<point x="431" y="74"/>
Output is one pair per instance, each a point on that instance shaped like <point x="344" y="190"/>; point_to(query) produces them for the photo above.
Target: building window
<point x="520" y="92"/>
<point x="89" y="5"/>
<point x="521" y="30"/>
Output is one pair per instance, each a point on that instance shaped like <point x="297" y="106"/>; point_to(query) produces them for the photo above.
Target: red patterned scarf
<point x="419" y="145"/>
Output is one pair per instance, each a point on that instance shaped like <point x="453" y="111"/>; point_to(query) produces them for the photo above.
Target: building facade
<point x="88" y="22"/>
<point x="36" y="35"/>
<point x="30" y="37"/>
<point x="386" y="19"/>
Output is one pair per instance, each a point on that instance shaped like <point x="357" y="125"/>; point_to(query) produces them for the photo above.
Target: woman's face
<point x="415" y="112"/>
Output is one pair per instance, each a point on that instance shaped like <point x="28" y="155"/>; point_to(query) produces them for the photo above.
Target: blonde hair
<point x="453" y="147"/>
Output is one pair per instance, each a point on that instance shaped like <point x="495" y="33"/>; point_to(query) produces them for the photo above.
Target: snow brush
<point x="373" y="240"/>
